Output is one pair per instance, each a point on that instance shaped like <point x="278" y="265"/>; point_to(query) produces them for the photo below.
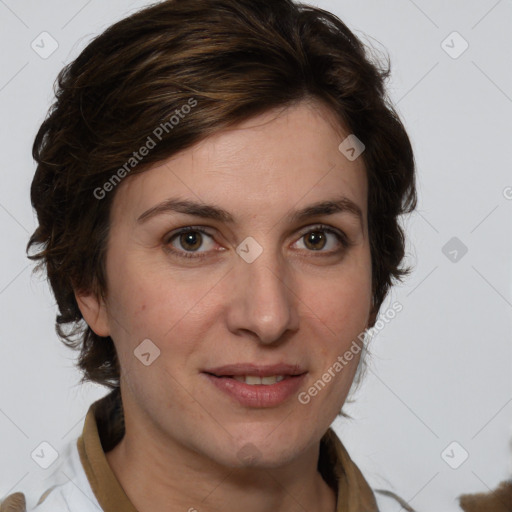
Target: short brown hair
<point x="235" y="59"/>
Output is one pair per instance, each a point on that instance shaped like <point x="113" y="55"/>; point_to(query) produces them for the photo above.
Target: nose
<point x="263" y="301"/>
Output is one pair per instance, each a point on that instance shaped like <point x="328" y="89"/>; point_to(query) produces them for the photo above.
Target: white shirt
<point x="70" y="488"/>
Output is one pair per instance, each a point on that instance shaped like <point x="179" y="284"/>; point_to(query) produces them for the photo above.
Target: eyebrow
<point x="206" y="211"/>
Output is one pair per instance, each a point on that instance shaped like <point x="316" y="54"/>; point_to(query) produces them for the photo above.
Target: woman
<point x="218" y="192"/>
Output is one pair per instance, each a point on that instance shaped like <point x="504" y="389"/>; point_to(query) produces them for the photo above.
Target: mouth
<point x="257" y="374"/>
<point x="257" y="386"/>
<point x="253" y="380"/>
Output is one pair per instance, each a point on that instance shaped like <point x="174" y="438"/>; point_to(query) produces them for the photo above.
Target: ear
<point x="94" y="311"/>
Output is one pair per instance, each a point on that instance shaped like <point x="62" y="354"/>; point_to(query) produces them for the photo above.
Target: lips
<point x="257" y="386"/>
<point x="249" y="369"/>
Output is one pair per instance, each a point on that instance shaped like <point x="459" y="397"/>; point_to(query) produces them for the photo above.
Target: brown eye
<point x="324" y="240"/>
<point x="191" y="240"/>
<point x="315" y="240"/>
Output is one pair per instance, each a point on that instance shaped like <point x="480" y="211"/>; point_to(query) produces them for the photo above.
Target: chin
<point x="266" y="449"/>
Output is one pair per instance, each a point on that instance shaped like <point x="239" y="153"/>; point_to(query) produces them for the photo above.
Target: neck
<point x="176" y="478"/>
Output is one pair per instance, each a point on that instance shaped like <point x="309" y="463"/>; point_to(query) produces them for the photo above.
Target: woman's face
<point x="262" y="285"/>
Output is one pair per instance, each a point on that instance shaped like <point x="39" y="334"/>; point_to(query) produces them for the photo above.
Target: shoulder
<point x="498" y="500"/>
<point x="66" y="489"/>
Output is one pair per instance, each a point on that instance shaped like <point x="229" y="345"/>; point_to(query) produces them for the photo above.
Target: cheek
<point x="133" y="294"/>
<point x="148" y="300"/>
<point x="341" y="303"/>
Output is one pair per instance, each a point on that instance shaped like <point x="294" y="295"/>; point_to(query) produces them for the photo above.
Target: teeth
<point x="254" y="379"/>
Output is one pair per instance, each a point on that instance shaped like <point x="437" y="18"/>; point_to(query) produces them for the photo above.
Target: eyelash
<point x="341" y="237"/>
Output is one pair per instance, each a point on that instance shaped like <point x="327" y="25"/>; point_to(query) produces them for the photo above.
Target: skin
<point x="292" y="304"/>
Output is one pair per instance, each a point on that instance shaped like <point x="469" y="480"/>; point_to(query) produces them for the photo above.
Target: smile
<point x="254" y="379"/>
<point x="257" y="392"/>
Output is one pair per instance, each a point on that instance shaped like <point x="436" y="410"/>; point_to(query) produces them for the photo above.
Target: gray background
<point x="441" y="370"/>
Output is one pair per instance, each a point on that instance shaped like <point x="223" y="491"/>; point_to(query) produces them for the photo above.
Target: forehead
<point x="279" y="160"/>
